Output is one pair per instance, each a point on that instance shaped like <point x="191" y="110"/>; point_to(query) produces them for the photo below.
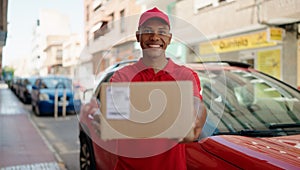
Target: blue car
<point x="43" y="95"/>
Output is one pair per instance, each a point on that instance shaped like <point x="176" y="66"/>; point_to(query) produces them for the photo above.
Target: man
<point x="154" y="36"/>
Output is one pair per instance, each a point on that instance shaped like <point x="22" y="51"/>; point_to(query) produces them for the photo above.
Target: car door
<point x="35" y="92"/>
<point x="103" y="154"/>
<point x="101" y="150"/>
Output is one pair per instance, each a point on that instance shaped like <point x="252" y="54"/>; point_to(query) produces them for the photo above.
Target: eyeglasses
<point x="149" y="32"/>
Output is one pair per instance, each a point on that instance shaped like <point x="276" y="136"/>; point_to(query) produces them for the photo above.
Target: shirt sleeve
<point x="123" y="75"/>
<point x="116" y="77"/>
<point x="119" y="76"/>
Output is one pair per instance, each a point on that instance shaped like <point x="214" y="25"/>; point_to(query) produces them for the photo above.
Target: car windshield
<point x="241" y="100"/>
<point x="29" y="81"/>
<point x="52" y="83"/>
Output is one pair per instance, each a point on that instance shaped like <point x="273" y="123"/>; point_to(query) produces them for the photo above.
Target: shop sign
<point x="275" y="34"/>
<point x="269" y="62"/>
<point x="237" y="43"/>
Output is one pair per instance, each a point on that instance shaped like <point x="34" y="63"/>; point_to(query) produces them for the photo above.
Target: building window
<point x="98" y="7"/>
<point x="97" y="4"/>
<point x="102" y="30"/>
<point x="122" y="20"/>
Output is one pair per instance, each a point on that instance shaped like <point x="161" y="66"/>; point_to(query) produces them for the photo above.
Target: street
<point x="61" y="134"/>
<point x="32" y="142"/>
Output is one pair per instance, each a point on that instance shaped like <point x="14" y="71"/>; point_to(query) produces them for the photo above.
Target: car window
<point x="31" y="81"/>
<point x="251" y="101"/>
<point x="38" y="82"/>
<point x="25" y="82"/>
<point x="28" y="81"/>
<point x="52" y="83"/>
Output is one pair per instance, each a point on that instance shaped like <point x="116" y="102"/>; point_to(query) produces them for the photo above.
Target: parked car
<point x="17" y="86"/>
<point x="43" y="95"/>
<point x="13" y="86"/>
<point x="253" y="122"/>
<point x="25" y="89"/>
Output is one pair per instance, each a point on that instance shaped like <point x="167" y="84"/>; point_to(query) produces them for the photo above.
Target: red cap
<point x="153" y="13"/>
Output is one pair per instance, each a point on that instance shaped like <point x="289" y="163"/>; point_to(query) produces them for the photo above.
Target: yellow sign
<point x="236" y="43"/>
<point x="275" y="34"/>
<point x="269" y="62"/>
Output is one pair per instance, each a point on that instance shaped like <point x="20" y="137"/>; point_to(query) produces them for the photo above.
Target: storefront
<point x="262" y="49"/>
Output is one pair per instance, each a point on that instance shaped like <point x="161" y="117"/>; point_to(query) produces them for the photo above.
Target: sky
<point x="22" y="16"/>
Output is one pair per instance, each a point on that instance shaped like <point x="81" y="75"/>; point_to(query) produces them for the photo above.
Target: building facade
<point x="262" y="33"/>
<point x="3" y="28"/>
<point x="54" y="54"/>
<point x="50" y="23"/>
<point x="71" y="54"/>
<point x="110" y="27"/>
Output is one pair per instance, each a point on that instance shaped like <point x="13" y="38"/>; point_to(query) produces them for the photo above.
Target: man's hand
<point x="200" y="118"/>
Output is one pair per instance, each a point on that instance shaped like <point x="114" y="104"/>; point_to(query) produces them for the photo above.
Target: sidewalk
<point x="21" y="145"/>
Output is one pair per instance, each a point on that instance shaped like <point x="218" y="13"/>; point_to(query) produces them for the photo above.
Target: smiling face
<point x="154" y="37"/>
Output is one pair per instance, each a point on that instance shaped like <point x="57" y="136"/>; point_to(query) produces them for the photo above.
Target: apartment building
<point x="110" y="27"/>
<point x="3" y="28"/>
<point x="49" y="24"/>
<point x="71" y="54"/>
<point x="54" y="54"/>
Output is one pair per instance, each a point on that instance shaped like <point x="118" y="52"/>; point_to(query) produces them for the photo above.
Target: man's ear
<point x="138" y="36"/>
<point x="170" y="38"/>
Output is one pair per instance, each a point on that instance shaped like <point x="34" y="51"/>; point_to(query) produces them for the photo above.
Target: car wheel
<point x="87" y="159"/>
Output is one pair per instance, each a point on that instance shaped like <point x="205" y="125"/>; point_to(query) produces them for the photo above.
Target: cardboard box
<point x="146" y="110"/>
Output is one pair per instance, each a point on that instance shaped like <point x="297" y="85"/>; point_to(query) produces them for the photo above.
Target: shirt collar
<point x="168" y="68"/>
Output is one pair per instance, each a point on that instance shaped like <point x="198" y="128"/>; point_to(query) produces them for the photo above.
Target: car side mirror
<point x="87" y="95"/>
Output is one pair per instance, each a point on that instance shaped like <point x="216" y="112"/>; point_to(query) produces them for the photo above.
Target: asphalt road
<point x="61" y="135"/>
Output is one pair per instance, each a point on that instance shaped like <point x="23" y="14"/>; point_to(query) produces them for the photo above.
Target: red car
<point x="253" y="122"/>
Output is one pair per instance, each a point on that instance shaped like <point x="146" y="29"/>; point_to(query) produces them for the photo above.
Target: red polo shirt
<point x="174" y="157"/>
<point x="171" y="72"/>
